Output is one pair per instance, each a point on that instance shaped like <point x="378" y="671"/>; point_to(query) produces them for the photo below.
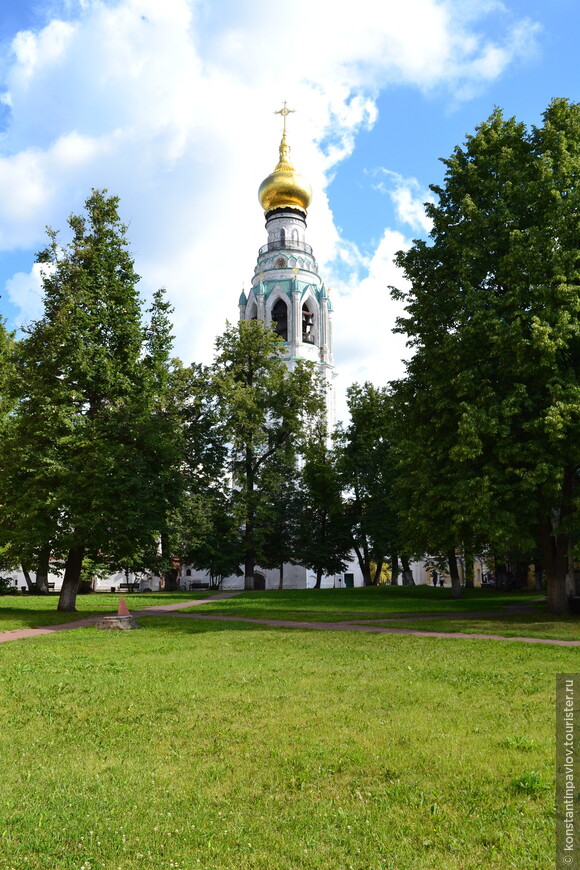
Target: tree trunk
<point x="281" y="576"/>
<point x="555" y="549"/>
<point x="366" y="565"/>
<point x="171" y="580"/>
<point x="468" y="556"/>
<point x="72" y="577"/>
<point x="363" y="565"/>
<point x="170" y="574"/>
<point x="378" y="572"/>
<point x="318" y="578"/>
<point x="501" y="575"/>
<point x="407" y="573"/>
<point x="249" y="568"/>
<point x="249" y="549"/>
<point x="42" y="571"/>
<point x="28" y="578"/>
<point x="394" y="570"/>
<point x="454" y="574"/>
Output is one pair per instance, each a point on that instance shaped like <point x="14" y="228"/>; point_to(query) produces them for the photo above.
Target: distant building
<point x="287" y="293"/>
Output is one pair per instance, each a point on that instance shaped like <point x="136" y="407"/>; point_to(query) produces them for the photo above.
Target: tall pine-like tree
<point x="93" y="450"/>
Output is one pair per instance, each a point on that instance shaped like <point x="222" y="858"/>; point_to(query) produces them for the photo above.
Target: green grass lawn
<point x="223" y="746"/>
<point x="334" y="605"/>
<point x="31" y="611"/>
<point x="524" y="625"/>
<point x="366" y="605"/>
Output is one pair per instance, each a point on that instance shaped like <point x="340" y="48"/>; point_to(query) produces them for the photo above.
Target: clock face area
<point x="281" y="262"/>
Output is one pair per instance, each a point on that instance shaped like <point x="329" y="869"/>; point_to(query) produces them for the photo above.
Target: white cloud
<point x="24" y="289"/>
<point x="170" y="106"/>
<point x="364" y="315"/>
<point x="407" y="195"/>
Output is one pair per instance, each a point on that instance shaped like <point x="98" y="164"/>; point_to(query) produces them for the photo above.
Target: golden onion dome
<point x="284" y="187"/>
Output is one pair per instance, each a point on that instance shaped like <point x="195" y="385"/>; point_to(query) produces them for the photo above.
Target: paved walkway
<point x="377" y="629"/>
<point x="347" y="625"/>
<point x="19" y="633"/>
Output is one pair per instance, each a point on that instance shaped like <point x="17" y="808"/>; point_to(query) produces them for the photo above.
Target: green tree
<point x="203" y="529"/>
<point x="92" y="466"/>
<point x="7" y="350"/>
<point x="7" y="401"/>
<point x="429" y="481"/>
<point x="278" y="515"/>
<point x="30" y="466"/>
<point x="206" y="534"/>
<point x="491" y="403"/>
<point x="266" y="410"/>
<point x="324" y="533"/>
<point x="367" y="463"/>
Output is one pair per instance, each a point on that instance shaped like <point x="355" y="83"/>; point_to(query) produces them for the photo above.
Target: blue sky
<point x="171" y="106"/>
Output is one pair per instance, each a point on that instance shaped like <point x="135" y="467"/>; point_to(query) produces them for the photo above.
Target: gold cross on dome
<point x="284" y="112"/>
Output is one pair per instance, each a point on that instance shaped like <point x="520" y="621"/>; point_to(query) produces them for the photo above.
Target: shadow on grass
<point x="375" y="594"/>
<point x="40" y="611"/>
<point x="328" y="605"/>
<point x="185" y="624"/>
<point x="369" y="603"/>
<point x="14" y="618"/>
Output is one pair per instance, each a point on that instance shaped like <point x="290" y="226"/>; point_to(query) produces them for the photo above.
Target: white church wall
<point x="295" y="577"/>
<point x="19" y="581"/>
<point x="110" y="583"/>
<point x="418" y="570"/>
<point x="113" y="582"/>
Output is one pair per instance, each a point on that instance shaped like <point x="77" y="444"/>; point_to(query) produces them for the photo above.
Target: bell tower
<point x="286" y="290"/>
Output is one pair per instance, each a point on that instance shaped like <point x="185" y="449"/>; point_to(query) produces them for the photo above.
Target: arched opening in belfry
<point x="307" y="325"/>
<point x="280" y="319"/>
<point x="252" y="311"/>
<point x="282" y="237"/>
<point x="295" y="238"/>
